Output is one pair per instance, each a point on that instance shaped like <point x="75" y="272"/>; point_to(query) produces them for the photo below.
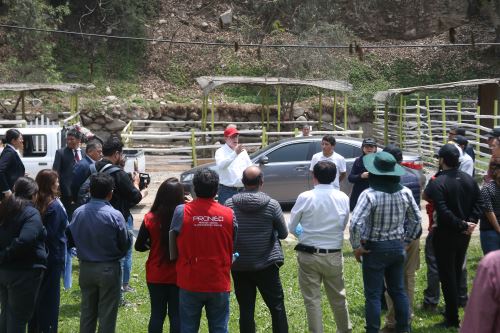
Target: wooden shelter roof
<point x="209" y="83"/>
<point x="27" y="87"/>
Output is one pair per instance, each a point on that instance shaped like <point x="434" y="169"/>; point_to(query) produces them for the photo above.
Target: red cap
<point x="231" y="131"/>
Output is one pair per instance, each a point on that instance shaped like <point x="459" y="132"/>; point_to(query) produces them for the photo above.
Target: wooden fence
<point x="421" y="125"/>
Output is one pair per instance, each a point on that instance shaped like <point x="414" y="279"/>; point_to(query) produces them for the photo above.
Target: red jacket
<point x="159" y="268"/>
<point x="205" y="246"/>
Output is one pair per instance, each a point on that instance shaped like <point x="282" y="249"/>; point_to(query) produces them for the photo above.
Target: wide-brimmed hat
<point x="383" y="164"/>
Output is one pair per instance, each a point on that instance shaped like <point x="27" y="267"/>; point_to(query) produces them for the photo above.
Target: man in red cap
<point x="231" y="160"/>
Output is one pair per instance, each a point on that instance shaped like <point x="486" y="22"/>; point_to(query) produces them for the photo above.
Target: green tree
<point x="32" y="59"/>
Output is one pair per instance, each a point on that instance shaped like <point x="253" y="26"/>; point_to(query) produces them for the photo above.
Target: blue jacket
<point x="55" y="220"/>
<point x="81" y="172"/>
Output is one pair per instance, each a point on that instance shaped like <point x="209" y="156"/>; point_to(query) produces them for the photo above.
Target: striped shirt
<point x="380" y="216"/>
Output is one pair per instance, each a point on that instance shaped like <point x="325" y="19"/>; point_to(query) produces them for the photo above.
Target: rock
<point x="108" y="90"/>
<point x="226" y="18"/>
<point x="94" y="127"/>
<point x="100" y="120"/>
<point x="116" y="125"/>
<point x="327" y="117"/>
<point x="301" y="118"/>
<point x="110" y="98"/>
<point x="162" y="103"/>
<point x="116" y="113"/>
<point x="36" y="102"/>
<point x="85" y="119"/>
<point x="204" y="26"/>
<point x="163" y="21"/>
<point x="194" y="116"/>
<point x="155" y="95"/>
<point x="7" y="103"/>
<point x="298" y="111"/>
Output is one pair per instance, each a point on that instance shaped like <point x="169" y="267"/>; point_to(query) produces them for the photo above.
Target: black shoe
<point x="429" y="307"/>
<point x="446" y="324"/>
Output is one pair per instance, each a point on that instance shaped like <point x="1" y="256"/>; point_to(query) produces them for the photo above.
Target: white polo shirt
<point x="230" y="166"/>
<point x="323" y="213"/>
<point x="337" y="159"/>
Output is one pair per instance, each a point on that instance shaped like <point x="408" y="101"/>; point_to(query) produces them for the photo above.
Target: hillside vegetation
<point x="144" y="70"/>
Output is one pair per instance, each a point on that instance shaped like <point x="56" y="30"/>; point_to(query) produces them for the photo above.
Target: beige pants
<point x="412" y="264"/>
<point x="329" y="269"/>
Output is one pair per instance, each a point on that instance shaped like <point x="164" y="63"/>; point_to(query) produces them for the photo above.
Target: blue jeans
<point x="225" y="193"/>
<point x="126" y="262"/>
<point x="216" y="307"/>
<point x="164" y="298"/>
<point x="490" y="240"/>
<point x="386" y="259"/>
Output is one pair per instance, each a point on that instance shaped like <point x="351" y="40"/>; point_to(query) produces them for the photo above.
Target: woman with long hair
<point x="55" y="220"/>
<point x="161" y="275"/>
<point x="11" y="166"/>
<point x="23" y="256"/>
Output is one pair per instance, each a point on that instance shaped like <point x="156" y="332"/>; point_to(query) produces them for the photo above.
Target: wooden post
<point x="443" y="119"/>
<point x="320" y="109"/>
<point x="495" y="112"/>
<point x="212" y="110"/>
<point x="267" y="108"/>
<point x="334" y="110"/>
<point x="279" y="108"/>
<point x="459" y="109"/>
<point x="478" y="130"/>
<point x="345" y="112"/>
<point x="262" y="109"/>
<point x="419" y="137"/>
<point x="400" y="122"/>
<point x="203" y="112"/>
<point x="404" y="122"/>
<point x="386" y="123"/>
<point x="429" y="123"/>
<point x="23" y="105"/>
<point x="193" y="148"/>
<point x="296" y="131"/>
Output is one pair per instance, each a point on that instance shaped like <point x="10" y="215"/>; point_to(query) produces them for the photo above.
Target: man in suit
<point x="11" y="166"/>
<point x="82" y="170"/>
<point x="65" y="160"/>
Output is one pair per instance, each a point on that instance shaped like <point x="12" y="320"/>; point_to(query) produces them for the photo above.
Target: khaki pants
<point x="412" y="264"/>
<point x="326" y="268"/>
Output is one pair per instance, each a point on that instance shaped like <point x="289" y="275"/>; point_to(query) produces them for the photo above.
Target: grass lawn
<point x="134" y="318"/>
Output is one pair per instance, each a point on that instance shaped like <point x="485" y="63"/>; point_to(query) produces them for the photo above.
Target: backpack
<point x="84" y="191"/>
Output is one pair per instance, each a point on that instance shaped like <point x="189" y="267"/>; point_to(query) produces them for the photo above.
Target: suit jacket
<point x="11" y="168"/>
<point x="81" y="172"/>
<point x="63" y="164"/>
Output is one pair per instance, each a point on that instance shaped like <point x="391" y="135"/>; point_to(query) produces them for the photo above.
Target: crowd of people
<point x="81" y="207"/>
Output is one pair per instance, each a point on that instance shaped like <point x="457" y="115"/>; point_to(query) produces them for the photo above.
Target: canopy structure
<point x="209" y="83"/>
<point x="382" y="96"/>
<point x="70" y="88"/>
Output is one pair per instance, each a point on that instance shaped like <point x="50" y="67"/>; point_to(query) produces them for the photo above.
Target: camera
<point x="144" y="180"/>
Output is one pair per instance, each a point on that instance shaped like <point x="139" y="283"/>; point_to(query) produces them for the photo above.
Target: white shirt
<point x="337" y="159"/>
<point x="466" y="164"/>
<point x="230" y="166"/>
<point x="323" y="213"/>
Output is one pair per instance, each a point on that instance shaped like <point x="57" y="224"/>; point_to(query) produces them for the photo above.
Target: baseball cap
<point x="449" y="150"/>
<point x="231" y="131"/>
<point x="369" y="142"/>
<point x="461" y="140"/>
<point x="495" y="133"/>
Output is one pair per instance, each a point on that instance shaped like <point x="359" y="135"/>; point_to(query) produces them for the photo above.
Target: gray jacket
<point x="260" y="226"/>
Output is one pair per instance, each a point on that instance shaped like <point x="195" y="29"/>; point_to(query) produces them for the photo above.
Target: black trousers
<point x="269" y="284"/>
<point x="164" y="298"/>
<point x="450" y="248"/>
<point x="18" y="294"/>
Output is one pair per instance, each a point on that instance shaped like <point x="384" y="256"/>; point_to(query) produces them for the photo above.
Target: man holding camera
<point x="126" y="193"/>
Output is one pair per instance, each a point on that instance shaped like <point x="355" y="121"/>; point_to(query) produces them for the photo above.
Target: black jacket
<point x="456" y="199"/>
<point x="125" y="194"/>
<point x="360" y="184"/>
<point x="63" y="164"/>
<point x="22" y="241"/>
<point x="11" y="168"/>
<point x="260" y="226"/>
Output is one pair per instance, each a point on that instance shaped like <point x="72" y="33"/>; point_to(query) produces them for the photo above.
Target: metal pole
<point x="345" y="112"/>
<point x="400" y="122"/>
<point x="443" y="119"/>
<point x="429" y="123"/>
<point x="419" y="137"/>
<point x="320" y="109"/>
<point x="459" y="109"/>
<point x="279" y="108"/>
<point x="386" y="123"/>
<point x="193" y="148"/>
<point x="212" y="109"/>
<point x="334" y="110"/>
<point x="495" y="112"/>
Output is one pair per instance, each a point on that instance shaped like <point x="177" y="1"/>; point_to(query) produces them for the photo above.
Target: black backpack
<point x="84" y="192"/>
